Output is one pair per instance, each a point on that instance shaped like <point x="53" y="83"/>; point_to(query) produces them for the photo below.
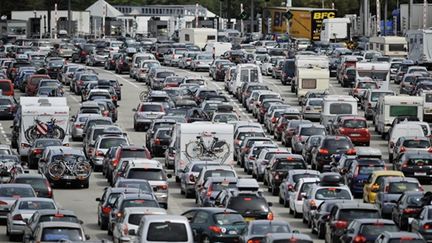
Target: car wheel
<point x="86" y="184"/>
<point x="320" y="232"/>
<point x="285" y="203"/>
<point x="297" y="215"/>
<point x="274" y="190"/>
<point x="281" y="201"/>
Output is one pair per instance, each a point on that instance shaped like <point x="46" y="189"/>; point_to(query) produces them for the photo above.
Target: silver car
<point x="78" y="123"/>
<point x="201" y="62"/>
<point x="312" y="108"/>
<point x="189" y="174"/>
<point x="131" y="220"/>
<point x="22" y="210"/>
<point x="68" y="231"/>
<point x="9" y="194"/>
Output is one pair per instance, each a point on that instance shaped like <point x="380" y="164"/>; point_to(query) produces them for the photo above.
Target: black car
<point x="416" y="164"/>
<point x="408" y="206"/>
<point x="215" y="224"/>
<point x="288" y="71"/>
<point x="329" y="146"/>
<point x="367" y="230"/>
<point x="37" y="149"/>
<point x="160" y="141"/>
<point x="349" y="77"/>
<point x="8" y="107"/>
<point x="257" y="230"/>
<point x="39" y="183"/>
<point x="320" y="216"/>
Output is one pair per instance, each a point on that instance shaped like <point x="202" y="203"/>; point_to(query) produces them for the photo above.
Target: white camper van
<point x="377" y="71"/>
<point x="312" y="73"/>
<point x="334" y="105"/>
<point x="197" y="36"/>
<point x="245" y="73"/>
<point x="335" y="29"/>
<point x="393" y="46"/>
<point x="390" y="107"/>
<point x="204" y="141"/>
<point x="419" y="45"/>
<point x="42" y="117"/>
<point x="218" y="48"/>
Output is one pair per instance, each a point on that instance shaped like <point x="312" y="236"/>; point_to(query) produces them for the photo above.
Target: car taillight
<point x="80" y="82"/>
<point x="125" y="229"/>
<point x="191" y="178"/>
<point x="106" y="210"/>
<point x="341" y="130"/>
<point x="37" y="151"/>
<point x="274" y="119"/>
<point x="99" y="153"/>
<point x="323" y="151"/>
<point x="410" y="210"/>
<point x="162" y="187"/>
<point x="17" y="217"/>
<point x="402" y="149"/>
<point x="157" y="141"/>
<point x="308" y="108"/>
<point x="209" y="193"/>
<point x="299" y="137"/>
<point x="215" y="229"/>
<point x="340" y="224"/>
<point x="351" y="151"/>
<point x="427" y="226"/>
<point x="270" y="216"/>
<point x="312" y="203"/>
<point x="355" y="91"/>
<point x="50" y="192"/>
<point x="359" y="239"/>
<point x="78" y="125"/>
<point x="105" y="113"/>
<point x="254" y="241"/>
<point x="251" y="158"/>
<point x="3" y="203"/>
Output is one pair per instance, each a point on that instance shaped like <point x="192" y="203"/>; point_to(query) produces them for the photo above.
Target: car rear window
<point x="297" y="177"/>
<point x="357" y="213"/>
<point x="250" y="203"/>
<point x="167" y="232"/>
<point x="264" y="229"/>
<point x="36" y="205"/>
<point x="219" y="186"/>
<point x="403" y="186"/>
<point x="112" y="142"/>
<point x="309" y="131"/>
<point x="335" y="144"/>
<point x="147" y="174"/>
<point x="61" y="234"/>
<point x="5" y="86"/>
<point x="58" y="217"/>
<point x="228" y="218"/>
<point x="332" y="193"/>
<point x="46" y="143"/>
<point x="406" y="240"/>
<point x="218" y="173"/>
<point x="133" y="153"/>
<point x="140" y="184"/>
<point x="419" y="161"/>
<point x="416" y="143"/>
<point x="16" y="192"/>
<point x="340" y="108"/>
<point x="373" y="230"/>
<point x="289" y="164"/>
<point x="135" y="219"/>
<point x="5" y="102"/>
<point x="150" y="108"/>
<point x="368" y="169"/>
<point x="354" y="124"/>
<point x="36" y="183"/>
<point x="164" y="74"/>
<point x="140" y="203"/>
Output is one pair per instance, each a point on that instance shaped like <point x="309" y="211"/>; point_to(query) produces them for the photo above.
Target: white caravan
<point x="393" y="46"/>
<point x="335" y="29"/>
<point x="197" y="36"/>
<point x="312" y="74"/>
<point x="245" y="73"/>
<point x="41" y="109"/>
<point x="377" y="71"/>
<point x="390" y="107"/>
<point x="203" y="141"/>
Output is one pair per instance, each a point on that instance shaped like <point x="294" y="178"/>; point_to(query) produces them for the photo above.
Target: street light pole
<point x="252" y="16"/>
<point x="69" y="18"/>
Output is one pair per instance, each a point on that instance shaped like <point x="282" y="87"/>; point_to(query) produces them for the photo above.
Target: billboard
<point x="317" y="19"/>
<point x="300" y="24"/>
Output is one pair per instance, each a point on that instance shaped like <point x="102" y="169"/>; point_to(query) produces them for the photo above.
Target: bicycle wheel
<point x="56" y="169"/>
<point x="82" y="169"/>
<point x="31" y="134"/>
<point x="220" y="149"/>
<point x="57" y="132"/>
<point x="194" y="149"/>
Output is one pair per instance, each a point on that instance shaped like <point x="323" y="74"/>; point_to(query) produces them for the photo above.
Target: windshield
<point x="140" y="203"/>
<point x="403" y="186"/>
<point x="147" y="174"/>
<point x="36" y="205"/>
<point x="264" y="229"/>
<point x="107" y="143"/>
<point x="373" y="230"/>
<point x="61" y="234"/>
<point x="355" y="124"/>
<point x="248" y="203"/>
<point x="332" y="193"/>
<point x="228" y="218"/>
<point x="309" y="131"/>
<point x="416" y="143"/>
<point x="167" y="232"/>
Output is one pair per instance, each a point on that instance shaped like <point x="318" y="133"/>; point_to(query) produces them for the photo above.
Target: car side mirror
<point x="132" y="232"/>
<point x="169" y="176"/>
<point x="134" y="109"/>
<point x="270" y="204"/>
<point x="296" y="232"/>
<point x="394" y="201"/>
<point x="87" y="237"/>
<point x="421" y="217"/>
<point x="25" y="220"/>
<point x="98" y="199"/>
<point x="121" y="84"/>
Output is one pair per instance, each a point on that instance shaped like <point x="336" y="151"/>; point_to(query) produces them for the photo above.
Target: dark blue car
<point x="359" y="171"/>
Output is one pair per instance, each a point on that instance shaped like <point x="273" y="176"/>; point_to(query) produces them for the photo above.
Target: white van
<point x="197" y="36"/>
<point x="377" y="71"/>
<point x="401" y="130"/>
<point x="204" y="135"/>
<point x="334" y="105"/>
<point x="427" y="104"/>
<point x="164" y="228"/>
<point x="312" y="73"/>
<point x="389" y="107"/>
<point x="245" y="73"/>
<point x="218" y="48"/>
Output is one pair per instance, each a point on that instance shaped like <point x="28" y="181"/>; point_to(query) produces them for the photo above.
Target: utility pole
<point x="252" y="16"/>
<point x="385" y="16"/>
<point x="69" y="18"/>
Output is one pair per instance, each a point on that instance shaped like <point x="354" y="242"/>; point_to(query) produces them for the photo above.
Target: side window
<point x="104" y="196"/>
<point x="200" y="218"/>
<point x="190" y="215"/>
<point x="369" y="180"/>
<point x="333" y="212"/>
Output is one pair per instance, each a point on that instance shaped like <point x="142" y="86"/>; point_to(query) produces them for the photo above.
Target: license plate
<point x="249" y="219"/>
<point x="232" y="232"/>
<point x="419" y="173"/>
<point x="355" y="135"/>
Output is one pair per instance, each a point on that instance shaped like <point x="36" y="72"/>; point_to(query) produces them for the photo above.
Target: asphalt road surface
<point x="82" y="201"/>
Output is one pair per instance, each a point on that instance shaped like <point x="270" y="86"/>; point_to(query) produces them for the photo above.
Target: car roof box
<point x="330" y="179"/>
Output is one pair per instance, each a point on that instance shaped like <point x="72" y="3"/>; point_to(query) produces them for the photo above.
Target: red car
<point x="33" y="83"/>
<point x="355" y="128"/>
<point x="6" y="87"/>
